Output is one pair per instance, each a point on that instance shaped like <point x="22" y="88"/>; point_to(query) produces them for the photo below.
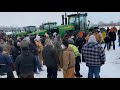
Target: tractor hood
<point x="66" y="27"/>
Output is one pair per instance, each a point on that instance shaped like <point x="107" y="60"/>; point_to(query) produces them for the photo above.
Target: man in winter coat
<point x="6" y="62"/>
<point x="108" y="29"/>
<point x="79" y="42"/>
<point x="50" y="59"/>
<point x="112" y="35"/>
<point x="9" y="46"/>
<point x="25" y="62"/>
<point x="118" y="36"/>
<point x="15" y="51"/>
<point x="68" y="61"/>
<point x="107" y="41"/>
<point x="77" y="59"/>
<point x="57" y="45"/>
<point x="33" y="50"/>
<point x="94" y="56"/>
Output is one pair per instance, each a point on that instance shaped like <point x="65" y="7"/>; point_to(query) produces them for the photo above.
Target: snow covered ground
<point x="111" y="68"/>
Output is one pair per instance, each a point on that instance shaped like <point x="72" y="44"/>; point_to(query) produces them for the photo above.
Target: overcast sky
<point x="37" y="18"/>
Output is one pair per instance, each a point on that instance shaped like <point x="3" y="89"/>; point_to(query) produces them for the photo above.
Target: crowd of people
<point x="27" y="55"/>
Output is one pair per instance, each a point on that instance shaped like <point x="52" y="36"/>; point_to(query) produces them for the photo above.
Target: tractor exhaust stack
<point x="62" y="19"/>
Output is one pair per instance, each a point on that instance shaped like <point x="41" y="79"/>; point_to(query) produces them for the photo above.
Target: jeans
<point x="9" y="72"/>
<point x="52" y="72"/>
<point x="94" y="70"/>
<point x="38" y="65"/>
<point x="113" y="44"/>
<point x="106" y="44"/>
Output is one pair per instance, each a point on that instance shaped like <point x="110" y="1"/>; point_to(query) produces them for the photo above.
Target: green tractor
<point x="27" y="30"/>
<point x="73" y="23"/>
<point x="49" y="28"/>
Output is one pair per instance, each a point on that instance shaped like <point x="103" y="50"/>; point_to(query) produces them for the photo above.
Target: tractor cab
<point x="30" y="29"/>
<point x="51" y="27"/>
<point x="79" y="20"/>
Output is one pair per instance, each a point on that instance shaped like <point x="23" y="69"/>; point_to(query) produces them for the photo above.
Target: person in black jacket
<point x="107" y="41"/>
<point x="25" y="62"/>
<point x="79" y="42"/>
<point x="50" y="59"/>
<point x="118" y="36"/>
<point x="112" y="35"/>
<point x="6" y="64"/>
<point x="15" y="50"/>
<point x="108" y="29"/>
<point x="33" y="50"/>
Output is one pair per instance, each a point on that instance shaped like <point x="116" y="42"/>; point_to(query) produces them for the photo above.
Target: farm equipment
<point x="27" y="30"/>
<point x="49" y="28"/>
<point x="72" y="24"/>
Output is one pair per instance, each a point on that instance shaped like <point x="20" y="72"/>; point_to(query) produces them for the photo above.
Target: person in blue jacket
<point x="6" y="61"/>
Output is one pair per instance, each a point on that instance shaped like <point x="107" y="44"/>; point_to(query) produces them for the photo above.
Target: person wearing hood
<point x="6" y="62"/>
<point x="77" y="58"/>
<point x="15" y="50"/>
<point x="71" y="39"/>
<point x="68" y="61"/>
<point x="25" y="63"/>
<point x="94" y="56"/>
<point x="27" y="39"/>
<point x="57" y="45"/>
<point x="50" y="59"/>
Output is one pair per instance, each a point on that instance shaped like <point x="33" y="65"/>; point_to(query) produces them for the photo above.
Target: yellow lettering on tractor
<point x="67" y="27"/>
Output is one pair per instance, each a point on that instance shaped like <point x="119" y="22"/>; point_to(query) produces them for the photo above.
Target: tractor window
<point x="83" y="22"/>
<point x="46" y="27"/>
<point x="71" y="20"/>
<point x="32" y="29"/>
<point x="53" y="25"/>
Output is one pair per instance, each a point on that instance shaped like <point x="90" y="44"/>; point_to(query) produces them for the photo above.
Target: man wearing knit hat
<point x="25" y="62"/>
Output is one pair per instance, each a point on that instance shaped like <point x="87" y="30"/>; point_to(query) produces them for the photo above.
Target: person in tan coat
<point x="87" y="37"/>
<point x="68" y="61"/>
<point x="96" y="34"/>
<point x="40" y="49"/>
